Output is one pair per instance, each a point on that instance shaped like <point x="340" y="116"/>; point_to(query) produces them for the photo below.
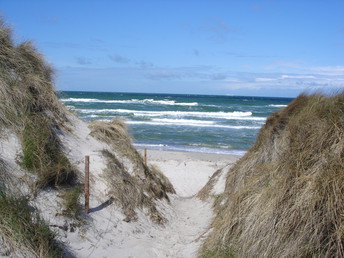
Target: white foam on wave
<point x="132" y="101"/>
<point x="236" y="115"/>
<point x="192" y="123"/>
<point x="182" y="121"/>
<point x="190" y="149"/>
<point x="273" y="105"/>
<point x="79" y="100"/>
<point x="170" y="102"/>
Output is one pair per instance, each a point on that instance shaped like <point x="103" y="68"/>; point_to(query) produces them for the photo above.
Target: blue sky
<point x="255" y="48"/>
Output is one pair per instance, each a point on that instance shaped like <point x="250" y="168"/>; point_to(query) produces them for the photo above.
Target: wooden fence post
<point x="87" y="184"/>
<point x="145" y="156"/>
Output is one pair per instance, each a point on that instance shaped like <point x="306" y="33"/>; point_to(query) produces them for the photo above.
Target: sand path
<point x="188" y="217"/>
<point x="108" y="235"/>
<point x="186" y="228"/>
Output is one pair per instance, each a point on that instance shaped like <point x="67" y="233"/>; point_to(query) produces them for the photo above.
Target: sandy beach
<point x="188" y="217"/>
<point x="188" y="171"/>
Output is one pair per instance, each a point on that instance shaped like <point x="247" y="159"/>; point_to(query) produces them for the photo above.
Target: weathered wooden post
<point x="87" y="184"/>
<point x="145" y="156"/>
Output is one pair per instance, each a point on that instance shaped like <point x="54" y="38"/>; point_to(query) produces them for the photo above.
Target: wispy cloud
<point x="329" y="70"/>
<point x="282" y="81"/>
<point x="326" y="78"/>
<point x="284" y="76"/>
<point x="265" y="79"/>
<point x="218" y="30"/>
<point x="180" y="73"/>
<point x="144" y="64"/>
<point x="214" y="29"/>
<point x="243" y="55"/>
<point x="300" y="68"/>
<point x="119" y="59"/>
<point x="218" y="76"/>
<point x="330" y="78"/>
<point x="83" y="61"/>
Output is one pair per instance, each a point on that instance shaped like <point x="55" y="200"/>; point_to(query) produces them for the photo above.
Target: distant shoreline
<point x="167" y="154"/>
<point x="189" y="171"/>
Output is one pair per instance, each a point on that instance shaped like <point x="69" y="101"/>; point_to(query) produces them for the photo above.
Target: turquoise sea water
<point x="201" y="123"/>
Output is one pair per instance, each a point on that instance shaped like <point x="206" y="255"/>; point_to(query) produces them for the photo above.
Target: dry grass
<point x="72" y="207"/>
<point x="205" y="192"/>
<point x="129" y="191"/>
<point x="3" y="175"/>
<point x="115" y="133"/>
<point x="22" y="230"/>
<point x="157" y="175"/>
<point x="42" y="154"/>
<point x="285" y="197"/>
<point x="29" y="106"/>
<point x="133" y="190"/>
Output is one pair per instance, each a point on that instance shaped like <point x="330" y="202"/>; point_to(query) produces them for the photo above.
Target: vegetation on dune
<point x="42" y="154"/>
<point x="3" y="175"/>
<point x="24" y="232"/>
<point x="30" y="107"/>
<point x="130" y="190"/>
<point x="71" y="201"/>
<point x="285" y="197"/>
<point x="115" y="133"/>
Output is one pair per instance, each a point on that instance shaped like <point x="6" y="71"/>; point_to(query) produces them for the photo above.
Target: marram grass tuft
<point x="285" y="197"/>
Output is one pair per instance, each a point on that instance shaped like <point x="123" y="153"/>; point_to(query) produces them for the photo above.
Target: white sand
<point x="188" y="171"/>
<point x="106" y="234"/>
<point x="188" y="217"/>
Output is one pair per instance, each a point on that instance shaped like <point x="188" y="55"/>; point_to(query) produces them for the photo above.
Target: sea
<point x="180" y="122"/>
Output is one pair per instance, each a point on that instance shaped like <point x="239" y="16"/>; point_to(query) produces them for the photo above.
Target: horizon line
<point x="193" y="94"/>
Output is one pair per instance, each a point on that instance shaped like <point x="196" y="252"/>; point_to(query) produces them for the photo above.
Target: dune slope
<point x="285" y="197"/>
<point x="42" y="151"/>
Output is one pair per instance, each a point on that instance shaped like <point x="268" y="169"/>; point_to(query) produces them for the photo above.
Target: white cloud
<point x="265" y="79"/>
<point x="284" y="76"/>
<point x="214" y="77"/>
<point x="329" y="70"/>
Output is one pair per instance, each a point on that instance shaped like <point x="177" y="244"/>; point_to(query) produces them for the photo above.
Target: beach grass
<point x="30" y="109"/>
<point x="29" y="106"/>
<point x="285" y="197"/>
<point x="71" y="196"/>
<point x="130" y="190"/>
<point x="25" y="230"/>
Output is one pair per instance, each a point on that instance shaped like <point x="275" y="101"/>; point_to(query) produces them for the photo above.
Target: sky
<point x="248" y="48"/>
